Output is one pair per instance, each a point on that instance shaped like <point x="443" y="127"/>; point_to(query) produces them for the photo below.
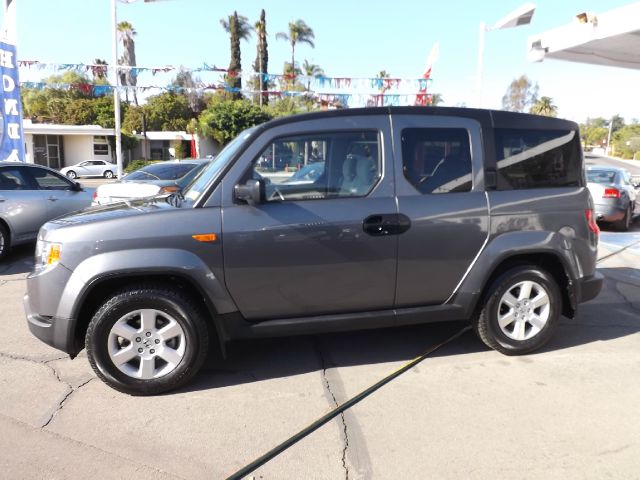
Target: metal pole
<point x="483" y="29"/>
<point x="609" y="137"/>
<point x="116" y="93"/>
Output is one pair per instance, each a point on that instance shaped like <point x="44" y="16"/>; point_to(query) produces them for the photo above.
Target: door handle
<point x="379" y="225"/>
<point x="2" y="199"/>
<point x="53" y="199"/>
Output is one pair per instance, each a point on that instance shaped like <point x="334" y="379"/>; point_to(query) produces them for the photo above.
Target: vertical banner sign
<point x="11" y="132"/>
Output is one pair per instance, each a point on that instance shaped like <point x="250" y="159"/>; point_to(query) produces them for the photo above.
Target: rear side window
<point x="12" y="179"/>
<point x="437" y="160"/>
<point x="537" y="159"/>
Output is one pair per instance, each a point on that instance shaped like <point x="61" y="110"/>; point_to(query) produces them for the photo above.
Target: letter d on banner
<point x="11" y="131"/>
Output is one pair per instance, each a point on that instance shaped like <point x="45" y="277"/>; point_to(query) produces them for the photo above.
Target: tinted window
<point x="437" y="160"/>
<point x="538" y="159"/>
<point x="12" y="179"/>
<point x="317" y="166"/>
<point x="161" y="171"/>
<point x="47" y="180"/>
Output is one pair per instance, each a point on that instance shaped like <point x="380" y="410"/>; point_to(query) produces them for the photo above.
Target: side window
<point x="317" y="166"/>
<point x="13" y="179"/>
<point x="47" y="180"/>
<point x="437" y="160"/>
<point x="537" y="159"/>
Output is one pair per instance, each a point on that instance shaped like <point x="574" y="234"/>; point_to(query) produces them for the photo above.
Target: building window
<point x="100" y="145"/>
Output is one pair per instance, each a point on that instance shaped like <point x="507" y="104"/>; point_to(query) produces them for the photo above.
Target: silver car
<point x="90" y="168"/>
<point x="614" y="195"/>
<point x="31" y="195"/>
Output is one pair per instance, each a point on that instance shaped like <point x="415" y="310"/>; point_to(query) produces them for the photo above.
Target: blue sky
<point x="353" y="39"/>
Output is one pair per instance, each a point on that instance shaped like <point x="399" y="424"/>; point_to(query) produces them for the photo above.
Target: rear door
<point x="439" y="183"/>
<point x="313" y="248"/>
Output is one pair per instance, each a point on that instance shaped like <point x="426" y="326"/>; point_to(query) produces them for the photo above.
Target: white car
<point x="91" y="168"/>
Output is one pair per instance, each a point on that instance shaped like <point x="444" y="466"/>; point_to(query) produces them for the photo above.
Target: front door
<point x="307" y="250"/>
<point x="440" y="190"/>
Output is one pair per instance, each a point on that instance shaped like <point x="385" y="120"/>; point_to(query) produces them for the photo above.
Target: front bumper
<point x="54" y="331"/>
<point x="590" y="286"/>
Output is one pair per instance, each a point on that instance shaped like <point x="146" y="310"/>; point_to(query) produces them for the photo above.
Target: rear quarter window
<point x="538" y="159"/>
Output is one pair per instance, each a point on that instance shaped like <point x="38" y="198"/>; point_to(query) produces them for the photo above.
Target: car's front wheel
<point x="72" y="174"/>
<point x="147" y="340"/>
<point x="108" y="174"/>
<point x="521" y="311"/>
<point x="4" y="241"/>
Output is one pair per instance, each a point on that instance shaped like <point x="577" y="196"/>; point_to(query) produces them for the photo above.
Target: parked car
<point x="90" y="168"/>
<point x="307" y="174"/>
<point x="30" y="195"/>
<point x="448" y="214"/>
<point x="614" y="195"/>
<point x="154" y="179"/>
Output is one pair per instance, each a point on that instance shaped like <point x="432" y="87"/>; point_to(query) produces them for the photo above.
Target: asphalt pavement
<point x="569" y="411"/>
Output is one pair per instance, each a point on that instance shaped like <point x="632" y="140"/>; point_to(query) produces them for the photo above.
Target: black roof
<point x="494" y="118"/>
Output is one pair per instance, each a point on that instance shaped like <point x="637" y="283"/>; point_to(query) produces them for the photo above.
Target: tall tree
<point x="520" y="94"/>
<point x="299" y="32"/>
<point x="238" y="28"/>
<point x="99" y="70"/>
<point x="126" y="32"/>
<point x="544" y="106"/>
<point x="260" y="66"/>
<point x="311" y="70"/>
<point x="186" y="84"/>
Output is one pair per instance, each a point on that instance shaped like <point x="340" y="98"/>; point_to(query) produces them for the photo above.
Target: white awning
<point x="166" y="135"/>
<point x="55" y="129"/>
<point x="611" y="38"/>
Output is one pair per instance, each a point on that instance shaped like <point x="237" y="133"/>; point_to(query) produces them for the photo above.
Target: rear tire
<point x="108" y="174"/>
<point x="5" y="241"/>
<point x="624" y="224"/>
<point x="147" y="340"/>
<point x="71" y="174"/>
<point x="521" y="311"/>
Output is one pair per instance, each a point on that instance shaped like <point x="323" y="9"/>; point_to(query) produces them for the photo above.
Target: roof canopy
<point x="611" y="38"/>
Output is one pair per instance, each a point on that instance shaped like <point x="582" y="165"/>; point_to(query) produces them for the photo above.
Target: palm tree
<point x="126" y="32"/>
<point x="99" y="70"/>
<point x="238" y="28"/>
<point x="311" y="70"/>
<point x="545" y="107"/>
<point x="262" y="55"/>
<point x="299" y="32"/>
<point x="383" y="74"/>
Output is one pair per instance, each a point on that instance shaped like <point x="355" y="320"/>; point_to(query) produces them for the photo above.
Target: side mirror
<point x="76" y="187"/>
<point x="251" y="192"/>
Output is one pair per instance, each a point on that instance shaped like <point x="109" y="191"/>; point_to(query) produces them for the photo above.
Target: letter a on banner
<point x="11" y="131"/>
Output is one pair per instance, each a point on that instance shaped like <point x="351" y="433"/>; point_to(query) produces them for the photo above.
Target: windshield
<point x="601" y="176"/>
<point x="208" y="175"/>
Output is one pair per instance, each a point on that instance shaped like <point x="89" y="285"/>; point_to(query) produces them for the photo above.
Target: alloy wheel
<point x="523" y="310"/>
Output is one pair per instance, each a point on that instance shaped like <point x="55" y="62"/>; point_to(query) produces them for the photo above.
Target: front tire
<point x="5" y="241"/>
<point x="108" y="174"/>
<point x="147" y="340"/>
<point x="521" y="311"/>
<point x="71" y="174"/>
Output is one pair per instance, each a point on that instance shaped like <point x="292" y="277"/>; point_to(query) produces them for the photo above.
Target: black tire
<point x="71" y="174"/>
<point x="108" y="174"/>
<point x="167" y="304"/>
<point x="5" y="241"/>
<point x="624" y="224"/>
<point x="500" y="338"/>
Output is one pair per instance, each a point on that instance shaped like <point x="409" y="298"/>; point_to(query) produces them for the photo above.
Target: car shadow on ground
<point x="615" y="313"/>
<point x="19" y="260"/>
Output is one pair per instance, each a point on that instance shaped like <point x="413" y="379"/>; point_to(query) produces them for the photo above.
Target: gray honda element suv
<point x="415" y="215"/>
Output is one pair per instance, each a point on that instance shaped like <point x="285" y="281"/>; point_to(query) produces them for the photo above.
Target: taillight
<point x="95" y="194"/>
<point x="591" y="222"/>
<point x="611" y="193"/>
<point x="169" y="189"/>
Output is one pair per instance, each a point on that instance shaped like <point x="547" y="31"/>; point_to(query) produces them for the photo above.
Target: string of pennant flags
<point x="418" y="84"/>
<point x="345" y="99"/>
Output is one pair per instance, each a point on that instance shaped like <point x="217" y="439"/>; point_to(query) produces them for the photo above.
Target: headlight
<point x="47" y="254"/>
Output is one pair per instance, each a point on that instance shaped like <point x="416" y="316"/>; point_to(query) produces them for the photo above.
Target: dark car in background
<point x="31" y="195"/>
<point x="614" y="195"/>
<point x="154" y="179"/>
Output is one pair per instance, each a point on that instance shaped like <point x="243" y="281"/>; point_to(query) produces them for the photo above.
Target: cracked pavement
<point x="569" y="411"/>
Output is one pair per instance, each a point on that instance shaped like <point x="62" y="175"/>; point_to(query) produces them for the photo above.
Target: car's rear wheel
<point x="521" y="311"/>
<point x="147" y="340"/>
<point x="4" y="241"/>
<point x="108" y="174"/>
<point x="72" y="174"/>
<point x="625" y="223"/>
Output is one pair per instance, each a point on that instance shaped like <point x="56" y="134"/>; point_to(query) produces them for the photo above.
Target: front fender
<point x="154" y="261"/>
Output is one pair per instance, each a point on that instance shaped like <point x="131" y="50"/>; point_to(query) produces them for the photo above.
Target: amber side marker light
<point x="205" y="237"/>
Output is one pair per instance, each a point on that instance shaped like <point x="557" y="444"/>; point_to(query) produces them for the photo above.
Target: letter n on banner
<point x="11" y="131"/>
